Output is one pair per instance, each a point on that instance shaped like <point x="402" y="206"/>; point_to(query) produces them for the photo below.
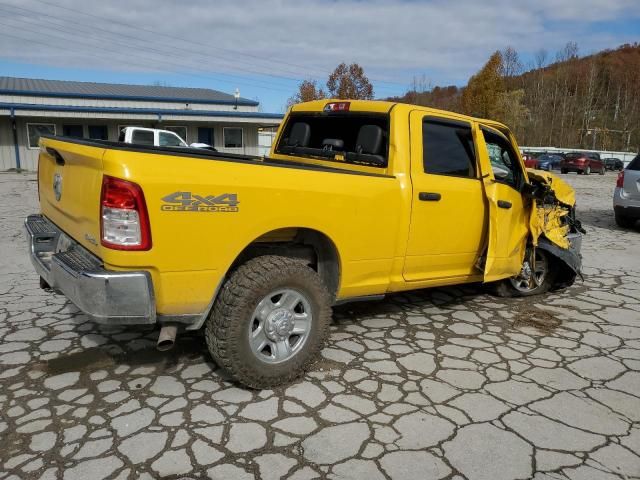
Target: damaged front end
<point x="553" y="225"/>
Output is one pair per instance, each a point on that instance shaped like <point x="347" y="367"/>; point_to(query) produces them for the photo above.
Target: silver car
<point x="626" y="196"/>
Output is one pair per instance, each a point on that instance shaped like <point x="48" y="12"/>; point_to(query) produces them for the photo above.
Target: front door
<point x="509" y="220"/>
<point x="448" y="213"/>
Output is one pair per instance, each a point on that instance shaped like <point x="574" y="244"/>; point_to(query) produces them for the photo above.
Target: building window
<point x="72" y="131"/>
<point x="180" y="131"/>
<point x="232" y="137"/>
<point x="98" y="132"/>
<point x="34" y="130"/>
<point x="205" y="135"/>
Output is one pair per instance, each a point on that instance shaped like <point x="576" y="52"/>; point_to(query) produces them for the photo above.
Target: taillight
<point x="620" y="181"/>
<point x="337" y="107"/>
<point x="124" y="221"/>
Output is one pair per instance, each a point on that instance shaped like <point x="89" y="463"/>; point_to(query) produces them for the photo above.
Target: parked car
<point x="529" y="160"/>
<point x="257" y="250"/>
<point x="582" y="163"/>
<point x="626" y="196"/>
<point x="550" y="161"/>
<point x="614" y="164"/>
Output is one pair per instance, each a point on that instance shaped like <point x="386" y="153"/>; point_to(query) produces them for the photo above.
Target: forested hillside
<point x="571" y="101"/>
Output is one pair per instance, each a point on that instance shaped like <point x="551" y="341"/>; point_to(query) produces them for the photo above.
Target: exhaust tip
<point x="165" y="345"/>
<point x="167" y="338"/>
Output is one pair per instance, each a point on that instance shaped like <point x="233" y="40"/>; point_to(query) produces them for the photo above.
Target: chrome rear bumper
<point x="107" y="296"/>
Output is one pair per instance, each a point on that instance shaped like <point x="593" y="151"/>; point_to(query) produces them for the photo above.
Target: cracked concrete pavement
<point x="442" y="383"/>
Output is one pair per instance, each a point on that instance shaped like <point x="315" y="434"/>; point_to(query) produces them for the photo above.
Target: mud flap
<point x="569" y="260"/>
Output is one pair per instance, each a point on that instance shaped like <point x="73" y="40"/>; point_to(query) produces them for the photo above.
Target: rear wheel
<point x="536" y="277"/>
<point x="625" y="222"/>
<point x="269" y="322"/>
<point x="587" y="171"/>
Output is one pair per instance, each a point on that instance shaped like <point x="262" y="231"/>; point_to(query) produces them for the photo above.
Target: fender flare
<point x="569" y="259"/>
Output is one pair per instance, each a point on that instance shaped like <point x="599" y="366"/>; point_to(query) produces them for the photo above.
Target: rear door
<point x="69" y="184"/>
<point x="448" y="214"/>
<point x="503" y="178"/>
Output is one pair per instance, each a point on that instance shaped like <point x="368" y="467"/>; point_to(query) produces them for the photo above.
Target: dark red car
<point x="582" y="162"/>
<point x="529" y="160"/>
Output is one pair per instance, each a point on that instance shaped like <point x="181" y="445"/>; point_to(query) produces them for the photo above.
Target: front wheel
<point x="587" y="171"/>
<point x="269" y="322"/>
<point x="536" y="276"/>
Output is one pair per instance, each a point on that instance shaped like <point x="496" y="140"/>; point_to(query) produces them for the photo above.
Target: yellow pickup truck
<point x="356" y="199"/>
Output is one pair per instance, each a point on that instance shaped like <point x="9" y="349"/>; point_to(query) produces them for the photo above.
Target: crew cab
<point x="151" y="136"/>
<point x="582" y="163"/>
<point x="356" y="200"/>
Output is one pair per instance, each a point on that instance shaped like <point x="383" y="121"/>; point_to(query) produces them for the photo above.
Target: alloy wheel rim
<point x="280" y="325"/>
<point x="531" y="277"/>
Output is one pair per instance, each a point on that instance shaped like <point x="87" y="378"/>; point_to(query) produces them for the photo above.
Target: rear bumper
<point x="624" y="205"/>
<point x="574" y="168"/>
<point x="627" y="212"/>
<point x="106" y="296"/>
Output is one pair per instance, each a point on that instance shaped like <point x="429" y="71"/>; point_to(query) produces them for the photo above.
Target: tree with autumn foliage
<point x="308" y="90"/>
<point x="346" y="81"/>
<point x="481" y="97"/>
<point x="349" y="81"/>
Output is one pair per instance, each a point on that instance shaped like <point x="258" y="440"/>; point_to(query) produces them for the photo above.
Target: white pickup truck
<point x="156" y="137"/>
<point x="151" y="136"/>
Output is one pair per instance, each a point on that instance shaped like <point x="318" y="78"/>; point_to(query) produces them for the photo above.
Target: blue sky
<point x="265" y="48"/>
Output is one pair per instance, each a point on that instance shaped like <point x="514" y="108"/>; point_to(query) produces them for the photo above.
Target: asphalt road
<point x="441" y="383"/>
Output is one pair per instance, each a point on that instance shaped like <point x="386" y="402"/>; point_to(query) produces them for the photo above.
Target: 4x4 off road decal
<point x="188" y="202"/>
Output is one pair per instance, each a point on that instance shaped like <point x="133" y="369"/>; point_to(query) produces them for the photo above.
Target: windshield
<point x="350" y="137"/>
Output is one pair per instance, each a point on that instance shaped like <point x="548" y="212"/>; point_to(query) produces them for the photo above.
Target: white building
<point x="30" y="107"/>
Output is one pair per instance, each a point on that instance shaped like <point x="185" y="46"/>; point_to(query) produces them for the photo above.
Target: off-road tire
<point x="504" y="288"/>
<point x="625" y="222"/>
<point x="226" y="329"/>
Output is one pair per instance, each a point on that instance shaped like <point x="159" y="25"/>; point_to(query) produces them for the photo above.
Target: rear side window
<point x="346" y="137"/>
<point x="447" y="149"/>
<point x="142" y="137"/>
<point x="635" y="164"/>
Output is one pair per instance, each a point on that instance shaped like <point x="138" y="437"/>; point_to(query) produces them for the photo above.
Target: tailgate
<point x="632" y="184"/>
<point x="69" y="184"/>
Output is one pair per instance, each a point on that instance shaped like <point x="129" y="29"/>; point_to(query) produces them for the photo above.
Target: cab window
<point x="142" y="137"/>
<point x="504" y="161"/>
<point x="447" y="148"/>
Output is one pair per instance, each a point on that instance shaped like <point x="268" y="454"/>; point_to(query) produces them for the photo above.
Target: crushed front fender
<point x="553" y="226"/>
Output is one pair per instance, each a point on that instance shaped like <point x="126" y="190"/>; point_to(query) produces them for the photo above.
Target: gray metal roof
<point x="64" y="88"/>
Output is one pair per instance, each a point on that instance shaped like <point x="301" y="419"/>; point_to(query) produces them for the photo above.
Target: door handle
<point x="429" y="196"/>
<point x="504" y="204"/>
